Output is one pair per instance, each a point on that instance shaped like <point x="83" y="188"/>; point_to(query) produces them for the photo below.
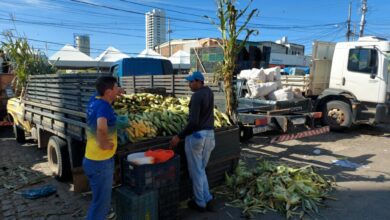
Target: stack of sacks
<point x="273" y="75"/>
<point x="261" y="82"/>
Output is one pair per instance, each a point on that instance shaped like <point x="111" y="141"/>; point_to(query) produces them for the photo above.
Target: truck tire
<point x="338" y="115"/>
<point x="19" y="134"/>
<point x="58" y="158"/>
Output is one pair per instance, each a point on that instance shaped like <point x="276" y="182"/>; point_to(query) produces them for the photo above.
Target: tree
<point x="24" y="61"/>
<point x="228" y="16"/>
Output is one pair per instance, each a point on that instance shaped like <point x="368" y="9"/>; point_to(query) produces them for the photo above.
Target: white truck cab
<point x="359" y="89"/>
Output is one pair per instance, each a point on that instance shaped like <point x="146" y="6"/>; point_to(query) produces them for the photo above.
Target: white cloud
<point x="33" y="2"/>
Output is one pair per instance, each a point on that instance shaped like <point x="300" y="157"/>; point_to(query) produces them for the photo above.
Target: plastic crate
<point x="151" y="176"/>
<point x="169" y="202"/>
<point x="131" y="206"/>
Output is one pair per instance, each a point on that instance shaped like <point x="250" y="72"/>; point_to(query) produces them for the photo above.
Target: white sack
<point x="273" y="75"/>
<point x="244" y="74"/>
<point x="260" y="89"/>
<point x="258" y="75"/>
<point x="282" y="95"/>
<point x="253" y="74"/>
<point x="298" y="94"/>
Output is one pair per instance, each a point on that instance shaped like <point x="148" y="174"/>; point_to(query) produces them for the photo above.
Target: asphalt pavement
<point x="362" y="191"/>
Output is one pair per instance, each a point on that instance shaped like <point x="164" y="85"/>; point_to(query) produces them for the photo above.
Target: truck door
<point x="357" y="79"/>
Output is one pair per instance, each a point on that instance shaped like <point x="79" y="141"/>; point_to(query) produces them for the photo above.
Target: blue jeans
<point x="100" y="175"/>
<point x="198" y="147"/>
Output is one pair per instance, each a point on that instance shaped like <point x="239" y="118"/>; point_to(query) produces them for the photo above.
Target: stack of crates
<point x="131" y="206"/>
<point x="161" y="178"/>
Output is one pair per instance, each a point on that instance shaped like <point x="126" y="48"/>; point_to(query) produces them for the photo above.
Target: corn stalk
<point x="24" y="61"/>
<point x="228" y="16"/>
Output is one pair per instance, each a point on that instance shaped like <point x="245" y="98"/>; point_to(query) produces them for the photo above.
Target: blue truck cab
<point x="140" y="66"/>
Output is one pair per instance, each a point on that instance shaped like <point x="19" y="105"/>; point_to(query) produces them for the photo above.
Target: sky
<point x="50" y="24"/>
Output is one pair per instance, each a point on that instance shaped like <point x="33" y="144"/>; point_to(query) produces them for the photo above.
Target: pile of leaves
<point x="276" y="187"/>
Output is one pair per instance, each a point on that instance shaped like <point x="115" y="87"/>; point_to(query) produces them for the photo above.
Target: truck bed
<point x="55" y="104"/>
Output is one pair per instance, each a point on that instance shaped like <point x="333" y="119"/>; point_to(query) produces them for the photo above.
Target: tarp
<point x="69" y="53"/>
<point x="71" y="58"/>
<point x="151" y="54"/>
<point x="297" y="70"/>
<point x="180" y="60"/>
<point x="111" y="54"/>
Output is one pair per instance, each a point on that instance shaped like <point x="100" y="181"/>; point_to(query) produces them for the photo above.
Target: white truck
<point x="349" y="82"/>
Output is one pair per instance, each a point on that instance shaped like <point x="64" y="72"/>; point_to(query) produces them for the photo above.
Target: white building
<point x="155" y="26"/>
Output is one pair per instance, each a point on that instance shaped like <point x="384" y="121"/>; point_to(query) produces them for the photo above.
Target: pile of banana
<point x="154" y="115"/>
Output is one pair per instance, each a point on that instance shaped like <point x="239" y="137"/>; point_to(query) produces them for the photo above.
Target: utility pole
<point x="354" y="32"/>
<point x="349" y="23"/>
<point x="169" y="37"/>
<point x="363" y="20"/>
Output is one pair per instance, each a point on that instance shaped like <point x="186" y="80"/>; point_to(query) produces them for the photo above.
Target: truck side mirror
<point x="374" y="70"/>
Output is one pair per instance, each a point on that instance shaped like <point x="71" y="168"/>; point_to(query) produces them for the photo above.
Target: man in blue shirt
<point x="98" y="163"/>
<point x="199" y="140"/>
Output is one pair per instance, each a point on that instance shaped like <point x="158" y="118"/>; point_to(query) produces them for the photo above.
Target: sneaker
<point x="192" y="205"/>
<point x="212" y="205"/>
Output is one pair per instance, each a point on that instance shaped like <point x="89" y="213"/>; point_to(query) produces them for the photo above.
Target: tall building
<point x="155" y="23"/>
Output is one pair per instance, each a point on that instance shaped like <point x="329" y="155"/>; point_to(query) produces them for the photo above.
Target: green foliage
<point x="276" y="187"/>
<point x="24" y="61"/>
<point x="228" y="17"/>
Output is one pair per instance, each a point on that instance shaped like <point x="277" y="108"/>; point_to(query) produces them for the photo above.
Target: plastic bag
<point x="43" y="191"/>
<point x="160" y="155"/>
<point x="122" y="121"/>
<point x="123" y="137"/>
<point x="140" y="158"/>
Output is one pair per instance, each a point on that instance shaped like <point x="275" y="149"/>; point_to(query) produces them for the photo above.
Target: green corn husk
<point x="276" y="187"/>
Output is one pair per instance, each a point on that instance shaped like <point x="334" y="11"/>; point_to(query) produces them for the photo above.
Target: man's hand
<point x="102" y="135"/>
<point x="174" y="141"/>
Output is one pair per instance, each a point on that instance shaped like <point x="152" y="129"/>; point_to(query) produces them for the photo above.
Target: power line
<point x="135" y="12"/>
<point x="72" y="28"/>
<point x="259" y="25"/>
<point x="63" y="44"/>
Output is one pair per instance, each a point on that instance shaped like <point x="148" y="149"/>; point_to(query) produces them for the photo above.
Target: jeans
<point x="100" y="175"/>
<point x="198" y="147"/>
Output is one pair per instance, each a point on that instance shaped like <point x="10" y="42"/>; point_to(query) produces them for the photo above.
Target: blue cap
<point x="195" y="76"/>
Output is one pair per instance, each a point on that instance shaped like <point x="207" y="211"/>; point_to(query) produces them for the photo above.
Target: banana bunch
<point x="141" y="130"/>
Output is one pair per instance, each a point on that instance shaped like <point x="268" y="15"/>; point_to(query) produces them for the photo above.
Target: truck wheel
<point x="338" y="115"/>
<point x="58" y="158"/>
<point x="19" y="134"/>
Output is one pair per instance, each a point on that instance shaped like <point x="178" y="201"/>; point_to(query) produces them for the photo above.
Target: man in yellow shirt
<point x="98" y="163"/>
